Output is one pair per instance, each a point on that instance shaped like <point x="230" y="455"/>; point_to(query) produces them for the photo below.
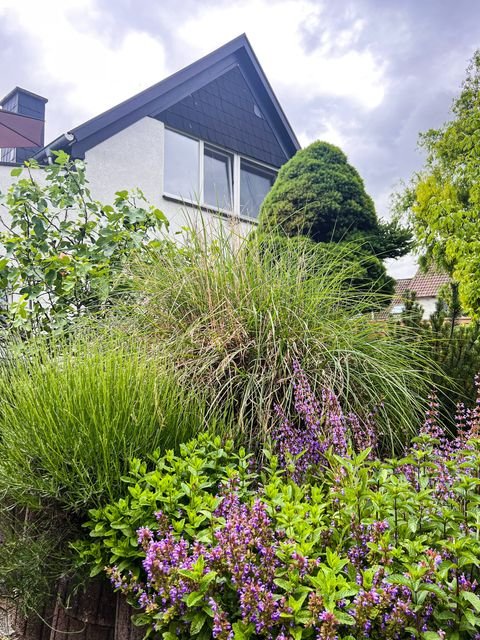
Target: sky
<point x="367" y="75"/>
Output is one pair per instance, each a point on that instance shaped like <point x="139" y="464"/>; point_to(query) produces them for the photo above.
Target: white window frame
<point x="237" y="158"/>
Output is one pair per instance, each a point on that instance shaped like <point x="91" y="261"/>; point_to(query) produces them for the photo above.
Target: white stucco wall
<point x="5" y="177"/>
<point x="134" y="158"/>
<point x="428" y="305"/>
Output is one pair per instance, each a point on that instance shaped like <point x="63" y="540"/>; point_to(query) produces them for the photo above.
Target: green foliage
<point x="182" y="485"/>
<point x="319" y="194"/>
<point x="62" y="251"/>
<point x="443" y="201"/>
<point x="230" y="316"/>
<point x="34" y="555"/>
<point x="366" y="272"/>
<point x="73" y="415"/>
<point x="454" y="347"/>
<point x="366" y="549"/>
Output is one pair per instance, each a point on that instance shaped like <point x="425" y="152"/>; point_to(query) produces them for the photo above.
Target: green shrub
<point x="230" y="316"/>
<point x="320" y="195"/>
<point x="454" y="347"/>
<point x="58" y="265"/>
<point x="205" y="546"/>
<point x="73" y="415"/>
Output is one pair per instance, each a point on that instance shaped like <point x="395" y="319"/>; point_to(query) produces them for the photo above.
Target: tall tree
<point x="443" y="200"/>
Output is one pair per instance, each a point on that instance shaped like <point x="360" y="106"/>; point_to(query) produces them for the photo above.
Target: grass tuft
<point x="73" y="415"/>
<point x="231" y="316"/>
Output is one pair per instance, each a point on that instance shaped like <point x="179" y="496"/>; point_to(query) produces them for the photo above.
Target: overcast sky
<point x="367" y="75"/>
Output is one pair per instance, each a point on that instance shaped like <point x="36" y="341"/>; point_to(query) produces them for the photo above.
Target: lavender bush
<point x="325" y="540"/>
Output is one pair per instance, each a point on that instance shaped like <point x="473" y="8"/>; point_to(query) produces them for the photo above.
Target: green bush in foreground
<point x="71" y="417"/>
<point x="230" y="316"/>
<point x="59" y="265"/>
<point x="206" y="545"/>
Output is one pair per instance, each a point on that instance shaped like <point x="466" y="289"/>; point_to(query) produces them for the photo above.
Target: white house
<point x="211" y="135"/>
<point x="426" y="287"/>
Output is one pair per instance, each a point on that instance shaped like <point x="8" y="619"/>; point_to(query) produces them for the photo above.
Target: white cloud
<point x="275" y="30"/>
<point x="404" y="267"/>
<point x="327" y="132"/>
<point x="94" y="72"/>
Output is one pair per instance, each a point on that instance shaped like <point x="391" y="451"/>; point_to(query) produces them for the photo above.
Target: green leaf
<point x="471" y="618"/>
<point x="197" y="623"/>
<point x="284" y="584"/>
<point x="194" y="598"/>
<point x="472" y="598"/>
<point x="344" y="618"/>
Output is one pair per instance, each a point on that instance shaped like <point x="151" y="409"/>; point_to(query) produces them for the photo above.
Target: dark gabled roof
<point x="157" y="99"/>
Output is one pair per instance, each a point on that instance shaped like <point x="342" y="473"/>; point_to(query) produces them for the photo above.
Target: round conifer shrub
<point x="319" y="194"/>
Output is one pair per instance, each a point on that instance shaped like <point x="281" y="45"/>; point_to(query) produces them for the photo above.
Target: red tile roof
<point x="401" y="286"/>
<point x="427" y="285"/>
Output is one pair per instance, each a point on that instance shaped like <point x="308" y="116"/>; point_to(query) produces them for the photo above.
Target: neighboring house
<point x="426" y="287"/>
<point x="211" y="135"/>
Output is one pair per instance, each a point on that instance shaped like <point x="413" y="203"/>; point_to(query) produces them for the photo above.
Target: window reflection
<point x="255" y="183"/>
<point x="181" y="176"/>
<point x="218" y="179"/>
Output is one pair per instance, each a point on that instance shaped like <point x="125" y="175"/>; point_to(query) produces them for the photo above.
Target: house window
<point x="200" y="173"/>
<point x="397" y="309"/>
<point x="217" y="179"/>
<point x="255" y="183"/>
<point x="181" y="175"/>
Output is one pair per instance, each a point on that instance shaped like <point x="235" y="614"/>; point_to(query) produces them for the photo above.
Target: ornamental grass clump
<point x="72" y="415"/>
<point x="231" y="315"/>
<point x="207" y="544"/>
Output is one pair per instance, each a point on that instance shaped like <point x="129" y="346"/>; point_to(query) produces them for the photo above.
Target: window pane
<point x="255" y="183"/>
<point x="218" y="183"/>
<point x="181" y="166"/>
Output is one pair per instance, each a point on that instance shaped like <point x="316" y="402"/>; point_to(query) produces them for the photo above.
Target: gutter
<point x="65" y="140"/>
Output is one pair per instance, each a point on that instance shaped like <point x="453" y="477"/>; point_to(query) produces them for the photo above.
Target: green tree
<point x="443" y="200"/>
<point x="320" y="195"/>
<point x="61" y="250"/>
<point x="454" y="347"/>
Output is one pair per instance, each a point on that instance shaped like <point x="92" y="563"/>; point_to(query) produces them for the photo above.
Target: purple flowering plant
<point x="323" y="539"/>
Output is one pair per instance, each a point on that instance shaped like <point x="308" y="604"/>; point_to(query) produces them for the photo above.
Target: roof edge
<point x="140" y="101"/>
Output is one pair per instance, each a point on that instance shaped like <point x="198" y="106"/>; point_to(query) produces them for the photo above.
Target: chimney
<point x="28" y="104"/>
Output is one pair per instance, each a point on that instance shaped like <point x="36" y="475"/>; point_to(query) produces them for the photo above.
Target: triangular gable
<point x="225" y="113"/>
<point x="161" y="97"/>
